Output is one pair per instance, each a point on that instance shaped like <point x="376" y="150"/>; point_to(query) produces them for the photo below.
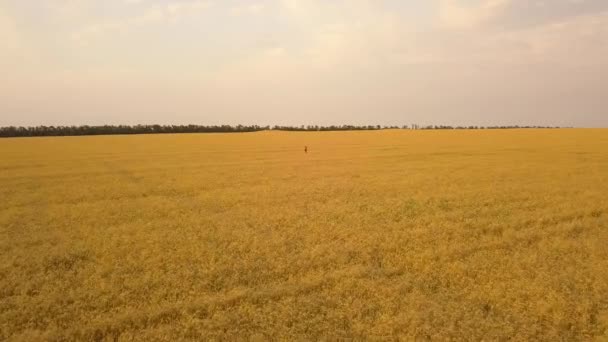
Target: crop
<point x="464" y="235"/>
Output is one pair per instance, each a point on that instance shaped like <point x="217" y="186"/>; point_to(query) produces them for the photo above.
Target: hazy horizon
<point x="296" y="62"/>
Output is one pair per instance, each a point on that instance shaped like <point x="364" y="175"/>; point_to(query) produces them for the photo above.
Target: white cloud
<point x="13" y="50"/>
<point x="453" y="14"/>
<point x="248" y="9"/>
<point x="153" y="14"/>
<point x="8" y="33"/>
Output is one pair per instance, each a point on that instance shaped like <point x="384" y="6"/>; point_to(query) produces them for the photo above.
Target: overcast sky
<point x="478" y="62"/>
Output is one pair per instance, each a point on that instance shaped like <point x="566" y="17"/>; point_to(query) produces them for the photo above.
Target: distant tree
<point x="41" y="131"/>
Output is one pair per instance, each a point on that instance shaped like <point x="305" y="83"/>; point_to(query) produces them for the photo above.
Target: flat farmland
<point x="382" y="235"/>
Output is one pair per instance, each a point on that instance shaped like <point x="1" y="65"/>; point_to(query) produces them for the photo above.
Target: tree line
<point x="45" y="131"/>
<point x="380" y="127"/>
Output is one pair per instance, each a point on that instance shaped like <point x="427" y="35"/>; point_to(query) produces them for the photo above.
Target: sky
<point x="293" y="62"/>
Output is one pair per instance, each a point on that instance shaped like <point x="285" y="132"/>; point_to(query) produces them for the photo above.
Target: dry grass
<point x="466" y="235"/>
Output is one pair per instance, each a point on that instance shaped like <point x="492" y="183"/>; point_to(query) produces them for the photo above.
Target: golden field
<point x="381" y="235"/>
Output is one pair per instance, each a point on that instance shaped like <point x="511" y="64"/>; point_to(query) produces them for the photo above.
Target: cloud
<point x="153" y="14"/>
<point x="514" y="14"/>
<point x="13" y="49"/>
<point x="520" y="13"/>
<point x="8" y="33"/>
<point x="255" y="8"/>
<point x="454" y="14"/>
<point x="334" y="42"/>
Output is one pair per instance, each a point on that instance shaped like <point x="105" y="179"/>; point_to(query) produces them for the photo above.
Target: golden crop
<point x="387" y="235"/>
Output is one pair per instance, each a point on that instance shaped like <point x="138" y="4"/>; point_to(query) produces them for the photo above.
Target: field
<point x="430" y="235"/>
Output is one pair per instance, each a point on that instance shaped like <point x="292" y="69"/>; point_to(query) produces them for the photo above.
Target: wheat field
<point x="383" y="235"/>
